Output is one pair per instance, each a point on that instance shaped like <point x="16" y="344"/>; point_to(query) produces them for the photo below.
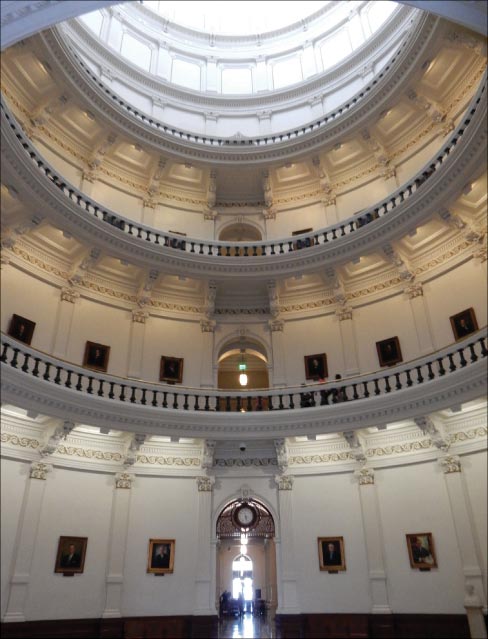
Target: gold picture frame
<point x="161" y="556"/>
<point x="70" y="556"/>
<point x="331" y="553"/>
<point x="421" y="551"/>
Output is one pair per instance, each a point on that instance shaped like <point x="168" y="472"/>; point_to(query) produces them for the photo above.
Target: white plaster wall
<point x="463" y="288"/>
<point x="79" y="504"/>
<point x="33" y="299"/>
<point x="475" y="476"/>
<point x="14" y="476"/>
<point x="414" y="499"/>
<point x="329" y="506"/>
<point x="411" y="499"/>
<point x="115" y="199"/>
<point x="161" y="508"/>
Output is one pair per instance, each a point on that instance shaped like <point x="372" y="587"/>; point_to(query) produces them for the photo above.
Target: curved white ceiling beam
<point x="23" y="18"/>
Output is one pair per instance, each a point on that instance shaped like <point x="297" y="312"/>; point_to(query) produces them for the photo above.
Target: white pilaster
<point x="206" y="551"/>
<point x="206" y="349"/>
<point x="374" y="541"/>
<point x="287" y="588"/>
<point x="415" y="294"/>
<point x="348" y="338"/>
<point x="28" y="525"/>
<point x="118" y="540"/>
<point x="66" y="310"/>
<point x="468" y="544"/>
<point x="276" y="327"/>
<point x="136" y="346"/>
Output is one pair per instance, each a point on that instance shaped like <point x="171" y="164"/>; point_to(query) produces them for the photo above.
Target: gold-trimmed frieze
<point x="104" y="455"/>
<point x="472" y="433"/>
<point x="15" y="440"/>
<point x="161" y="460"/>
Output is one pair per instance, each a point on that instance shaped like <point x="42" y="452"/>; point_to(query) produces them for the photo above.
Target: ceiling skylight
<point x="236" y="17"/>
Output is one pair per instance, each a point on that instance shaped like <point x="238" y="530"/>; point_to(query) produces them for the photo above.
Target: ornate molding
<point x="319" y="458"/>
<point x="124" y="480"/>
<point x="208" y="326"/>
<point x="450" y="464"/>
<point x="365" y="476"/>
<point x="246" y="461"/>
<point x="276" y="325"/>
<point x="139" y="316"/>
<point x="205" y="484"/>
<point x="69" y="295"/>
<point x="344" y="313"/>
<point x="39" y="470"/>
<point x="414" y="290"/>
<point x="168" y="460"/>
<point x="23" y="442"/>
<point x="284" y="482"/>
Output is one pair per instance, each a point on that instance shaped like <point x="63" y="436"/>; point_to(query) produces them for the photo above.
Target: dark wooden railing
<point x="448" y="361"/>
<point x="244" y="249"/>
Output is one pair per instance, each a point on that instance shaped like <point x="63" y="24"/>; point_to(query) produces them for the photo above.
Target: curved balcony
<point x="42" y="383"/>
<point x="444" y="177"/>
<point x="344" y="119"/>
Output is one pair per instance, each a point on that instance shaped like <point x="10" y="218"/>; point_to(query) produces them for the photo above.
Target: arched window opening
<point x="242" y="578"/>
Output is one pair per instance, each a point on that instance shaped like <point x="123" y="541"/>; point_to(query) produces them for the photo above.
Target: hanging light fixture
<point x="242" y="370"/>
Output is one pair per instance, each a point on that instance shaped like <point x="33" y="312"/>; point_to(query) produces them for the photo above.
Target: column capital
<point x="284" y="482"/>
<point x="344" y="313"/>
<point x="124" y="480"/>
<point x="208" y="325"/>
<point x="69" y="294"/>
<point x="205" y="484"/>
<point x="450" y="464"/>
<point x="365" y="476"/>
<point x="414" y="290"/>
<point x="139" y="316"/>
<point x="276" y="325"/>
<point x="39" y="470"/>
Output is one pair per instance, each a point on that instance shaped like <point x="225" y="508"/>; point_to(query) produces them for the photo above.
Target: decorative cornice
<point x="245" y="462"/>
<point x="323" y="458"/>
<point x="71" y="451"/>
<point x="473" y="433"/>
<point x="69" y="295"/>
<point x="139" y="316"/>
<point x="14" y="440"/>
<point x="170" y="460"/>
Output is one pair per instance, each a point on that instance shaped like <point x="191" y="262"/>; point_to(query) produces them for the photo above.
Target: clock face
<point x="245" y="516"/>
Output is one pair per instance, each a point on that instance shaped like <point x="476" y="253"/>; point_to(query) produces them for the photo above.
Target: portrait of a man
<point x="171" y="370"/>
<point x="463" y="323"/>
<point x="316" y="367"/>
<point x="421" y="550"/>
<point x="331" y="553"/>
<point x="96" y="356"/>
<point x="389" y="352"/>
<point x="71" y="553"/>
<point x="21" y="328"/>
<point x="161" y="556"/>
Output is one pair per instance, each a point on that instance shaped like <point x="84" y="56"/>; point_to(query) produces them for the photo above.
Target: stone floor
<point x="246" y="627"/>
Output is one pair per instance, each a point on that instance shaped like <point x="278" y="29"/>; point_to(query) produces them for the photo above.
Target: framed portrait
<point x="389" y="351"/>
<point x="331" y="553"/>
<point x="161" y="556"/>
<point x="171" y="370"/>
<point x="421" y="550"/>
<point x="316" y="366"/>
<point x="96" y="356"/>
<point x="463" y="323"/>
<point x="21" y="328"/>
<point x="70" y="557"/>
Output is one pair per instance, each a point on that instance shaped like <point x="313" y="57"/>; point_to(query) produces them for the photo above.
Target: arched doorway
<point x="246" y="559"/>
<point x="241" y="232"/>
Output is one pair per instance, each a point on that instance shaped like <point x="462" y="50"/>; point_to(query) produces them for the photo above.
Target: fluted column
<point x="206" y="551"/>
<point x="206" y="352"/>
<point x="466" y="536"/>
<point x="374" y="540"/>
<point x="24" y="550"/>
<point x="148" y="209"/>
<point x="136" y="347"/>
<point x="276" y="327"/>
<point x="286" y="568"/>
<point x="66" y="310"/>
<point x="118" y="541"/>
<point x="348" y="338"/>
<point x="415" y="294"/>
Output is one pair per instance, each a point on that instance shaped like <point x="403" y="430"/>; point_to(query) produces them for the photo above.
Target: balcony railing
<point x="200" y="247"/>
<point x="387" y="382"/>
